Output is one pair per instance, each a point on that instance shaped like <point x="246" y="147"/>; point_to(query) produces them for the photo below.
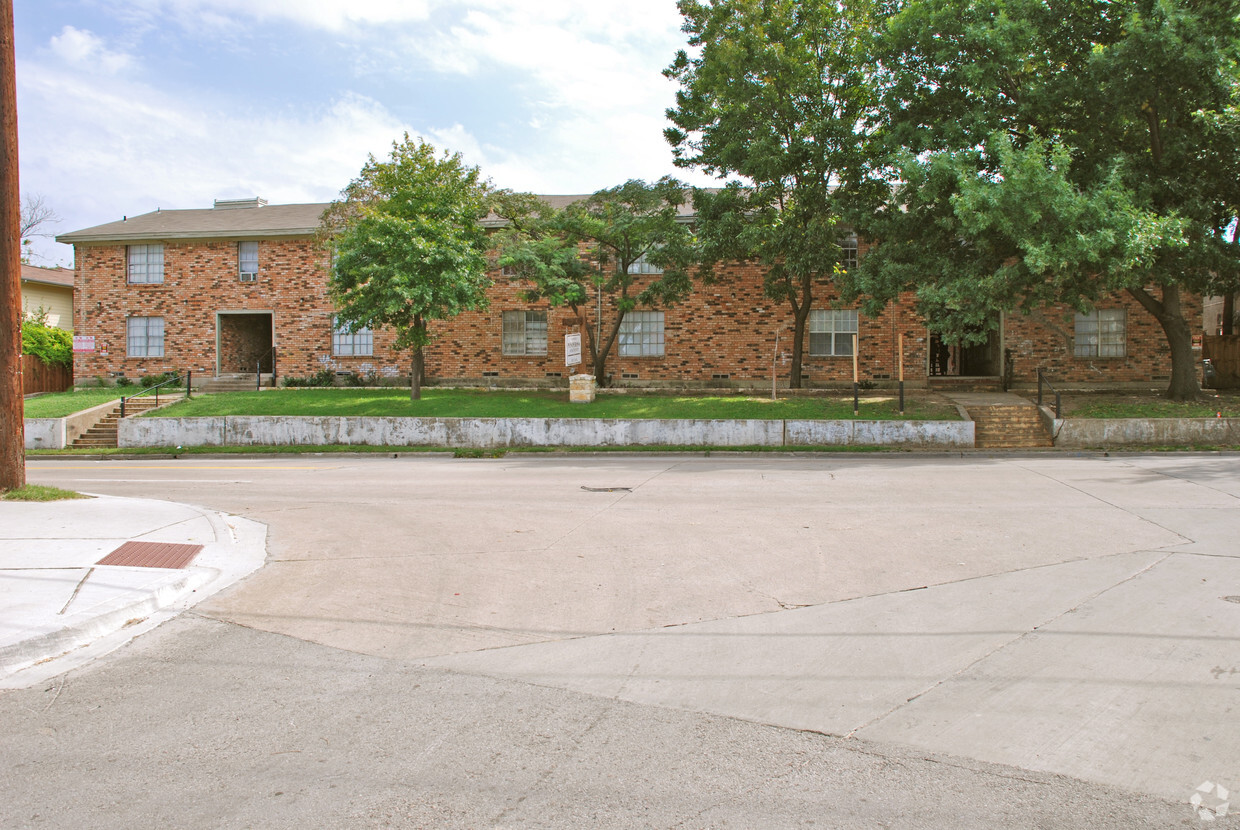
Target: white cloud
<point x="84" y="49"/>
<point x="327" y="15"/>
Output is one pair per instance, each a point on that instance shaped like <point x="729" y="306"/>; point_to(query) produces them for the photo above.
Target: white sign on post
<point x="572" y="349"/>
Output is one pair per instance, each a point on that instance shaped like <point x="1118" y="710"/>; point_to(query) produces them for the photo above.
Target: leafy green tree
<point x="54" y="346"/>
<point x="602" y="257"/>
<point x="777" y="99"/>
<point x="407" y="246"/>
<point x="1059" y="152"/>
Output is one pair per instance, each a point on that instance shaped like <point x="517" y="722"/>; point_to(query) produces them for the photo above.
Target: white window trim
<point x="642" y="334"/>
<point x="1108" y="337"/>
<point x="149" y="343"/>
<point x="359" y="343"/>
<point x="642" y="265"/>
<point x="241" y="257"/>
<point x="848" y="252"/>
<point x="516" y="325"/>
<point x="837" y="323"/>
<point x="148" y="255"/>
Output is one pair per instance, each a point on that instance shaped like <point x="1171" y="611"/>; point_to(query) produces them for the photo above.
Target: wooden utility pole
<point x="12" y="433"/>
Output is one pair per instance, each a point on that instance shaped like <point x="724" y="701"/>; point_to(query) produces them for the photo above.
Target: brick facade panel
<point x="725" y="329"/>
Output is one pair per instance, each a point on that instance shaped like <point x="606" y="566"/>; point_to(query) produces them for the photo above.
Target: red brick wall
<point x="728" y="328"/>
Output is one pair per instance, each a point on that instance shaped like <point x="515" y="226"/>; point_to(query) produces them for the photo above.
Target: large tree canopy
<point x="1058" y="152"/>
<point x="407" y="245"/>
<point x="776" y="98"/>
<point x="628" y="244"/>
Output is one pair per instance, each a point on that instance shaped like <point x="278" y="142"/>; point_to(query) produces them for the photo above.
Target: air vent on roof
<point x="232" y="204"/>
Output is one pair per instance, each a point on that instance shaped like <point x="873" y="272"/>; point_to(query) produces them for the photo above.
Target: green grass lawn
<point x="457" y="403"/>
<point x="60" y="404"/>
<point x="1151" y="405"/>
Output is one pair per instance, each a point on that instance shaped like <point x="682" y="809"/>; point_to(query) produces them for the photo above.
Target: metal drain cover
<point x="151" y="555"/>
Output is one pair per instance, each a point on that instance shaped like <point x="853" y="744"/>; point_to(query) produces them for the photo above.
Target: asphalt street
<point x="666" y="641"/>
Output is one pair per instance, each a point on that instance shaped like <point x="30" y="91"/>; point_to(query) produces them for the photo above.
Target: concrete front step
<point x="1004" y="427"/>
<point x="235" y="383"/>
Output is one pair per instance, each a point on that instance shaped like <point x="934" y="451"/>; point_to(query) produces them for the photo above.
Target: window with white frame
<point x="247" y="257"/>
<point x="1101" y="333"/>
<point x="525" y="333"/>
<point x="145" y="336"/>
<point x="146" y="264"/>
<point x="848" y="252"/>
<point x="641" y="334"/>
<point x="642" y="265"/>
<point x="831" y="332"/>
<point x="359" y="342"/>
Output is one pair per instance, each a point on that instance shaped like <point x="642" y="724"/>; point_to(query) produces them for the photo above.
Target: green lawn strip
<point x="40" y="492"/>
<point x="63" y="404"/>
<point x="1158" y="409"/>
<point x="457" y="403"/>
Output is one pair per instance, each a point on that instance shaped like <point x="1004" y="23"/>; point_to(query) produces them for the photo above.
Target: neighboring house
<point x="242" y="287"/>
<point x="50" y="291"/>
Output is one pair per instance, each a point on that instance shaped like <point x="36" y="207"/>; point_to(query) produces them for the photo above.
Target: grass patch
<point x="62" y="404"/>
<point x="40" y="492"/>
<point x="464" y="403"/>
<point x="1149" y="405"/>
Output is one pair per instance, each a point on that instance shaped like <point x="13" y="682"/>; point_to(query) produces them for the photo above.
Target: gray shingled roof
<point x="211" y="223"/>
<point x="262" y="222"/>
<point x="48" y="276"/>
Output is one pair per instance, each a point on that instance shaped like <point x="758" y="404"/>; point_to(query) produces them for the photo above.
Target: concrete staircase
<point x="236" y="382"/>
<point x="950" y="384"/>
<point x="103" y="433"/>
<point x="1006" y="426"/>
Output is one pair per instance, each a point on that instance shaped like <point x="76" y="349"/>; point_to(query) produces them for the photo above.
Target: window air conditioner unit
<point x="248" y="277"/>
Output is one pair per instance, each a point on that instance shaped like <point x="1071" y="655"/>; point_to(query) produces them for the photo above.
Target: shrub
<point x="148" y="381"/>
<point x="51" y="345"/>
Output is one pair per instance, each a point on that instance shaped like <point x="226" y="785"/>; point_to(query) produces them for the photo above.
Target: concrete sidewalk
<point x="59" y="608"/>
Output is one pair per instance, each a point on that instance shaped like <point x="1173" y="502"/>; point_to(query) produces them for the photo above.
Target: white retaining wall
<point x="58" y="433"/>
<point x="1168" y="432"/>
<point x="496" y="433"/>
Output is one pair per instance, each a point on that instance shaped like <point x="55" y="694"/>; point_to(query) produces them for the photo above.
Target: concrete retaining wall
<point x="58" y="433"/>
<point x="497" y="433"/>
<point x="1119" y="432"/>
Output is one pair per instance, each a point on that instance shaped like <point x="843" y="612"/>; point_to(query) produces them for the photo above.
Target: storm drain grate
<point x="151" y="555"/>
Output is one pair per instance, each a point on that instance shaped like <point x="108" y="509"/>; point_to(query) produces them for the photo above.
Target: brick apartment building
<point x="241" y="287"/>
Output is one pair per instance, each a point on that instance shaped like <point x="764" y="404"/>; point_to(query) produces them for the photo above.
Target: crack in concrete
<point x="1006" y="645"/>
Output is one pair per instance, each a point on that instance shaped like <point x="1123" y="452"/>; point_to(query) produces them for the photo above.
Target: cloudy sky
<point x="129" y="105"/>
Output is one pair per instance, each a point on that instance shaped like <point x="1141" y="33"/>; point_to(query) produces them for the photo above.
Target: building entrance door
<point x="982" y="360"/>
<point x="244" y="343"/>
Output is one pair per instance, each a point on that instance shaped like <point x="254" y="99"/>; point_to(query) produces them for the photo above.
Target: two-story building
<point x="241" y="288"/>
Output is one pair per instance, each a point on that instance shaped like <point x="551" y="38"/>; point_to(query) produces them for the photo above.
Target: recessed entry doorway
<point x="243" y="342"/>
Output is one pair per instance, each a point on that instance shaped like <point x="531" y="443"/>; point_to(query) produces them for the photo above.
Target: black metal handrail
<point x="258" y="369"/>
<point x="175" y="379"/>
<point x="1058" y="400"/>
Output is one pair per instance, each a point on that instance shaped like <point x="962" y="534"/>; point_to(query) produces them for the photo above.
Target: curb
<point x="89" y="628"/>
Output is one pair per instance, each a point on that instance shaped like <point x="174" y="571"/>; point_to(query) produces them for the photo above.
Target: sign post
<point x="572" y="349"/>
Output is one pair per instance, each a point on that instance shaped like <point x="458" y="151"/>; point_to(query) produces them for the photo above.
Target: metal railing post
<point x="189" y="377"/>
<point x="122" y="407"/>
<point x="1040" y="386"/>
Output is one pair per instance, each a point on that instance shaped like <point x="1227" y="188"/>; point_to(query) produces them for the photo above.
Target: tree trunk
<point x="1170" y="315"/>
<point x="600" y="358"/>
<point x="415" y="374"/>
<point x="800" y="315"/>
<point x="12" y="436"/>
